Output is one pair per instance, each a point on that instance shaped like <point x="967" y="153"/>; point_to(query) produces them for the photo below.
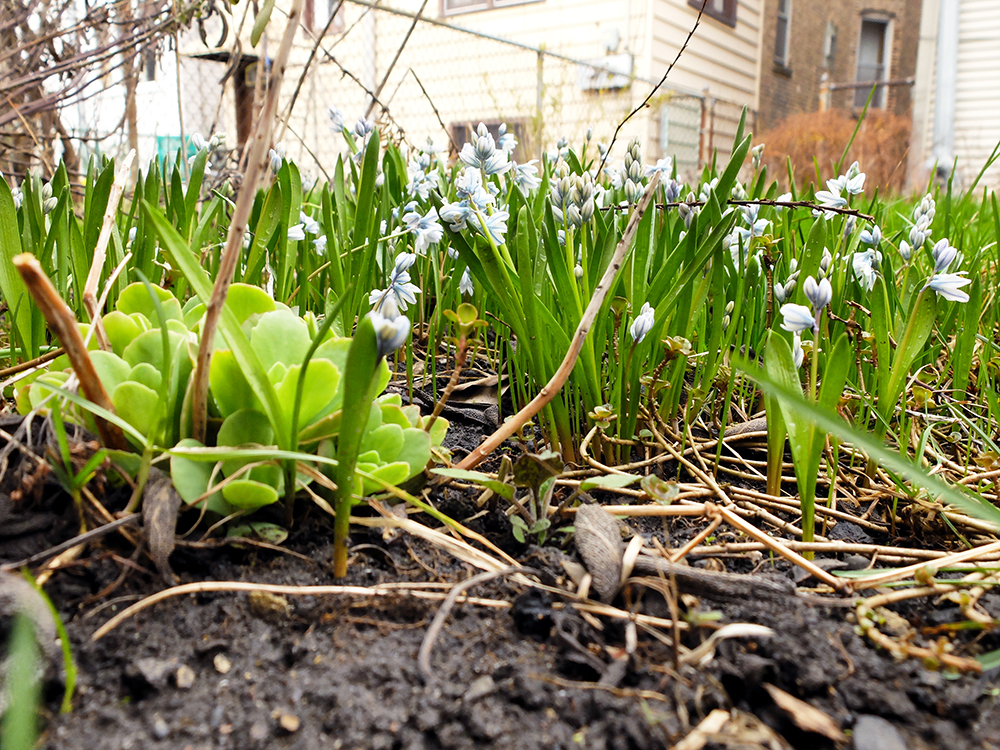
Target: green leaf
<point x="191" y="478"/>
<point x="505" y="491"/>
<point x="909" y="347"/>
<point x="248" y="494"/>
<point x="137" y="405"/>
<point x="965" y="500"/>
<point x="609" y="481"/>
<point x="322" y="382"/>
<point x="135" y="299"/>
<point x="260" y="22"/>
<point x="12" y="286"/>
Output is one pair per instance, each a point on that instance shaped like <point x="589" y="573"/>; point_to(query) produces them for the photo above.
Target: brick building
<point x="849" y="41"/>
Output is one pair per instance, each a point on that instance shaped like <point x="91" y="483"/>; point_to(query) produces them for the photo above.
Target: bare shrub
<point x="880" y="147"/>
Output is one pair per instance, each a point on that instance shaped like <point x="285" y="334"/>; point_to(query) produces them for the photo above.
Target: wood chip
<point x="806" y="717"/>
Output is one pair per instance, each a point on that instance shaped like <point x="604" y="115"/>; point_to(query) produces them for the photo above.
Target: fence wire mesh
<point x="421" y="78"/>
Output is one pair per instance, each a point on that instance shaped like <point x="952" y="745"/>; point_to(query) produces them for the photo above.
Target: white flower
<point x="949" y="286"/>
<point x="864" y="267"/>
<point x="526" y="176"/>
<point x="465" y="283"/>
<point x="426" y="229"/>
<point x="855" y="184"/>
<point x="797" y="354"/>
<point x="296" y="233"/>
<point x="320" y="244"/>
<point x="797" y="317"/>
<point x="829" y="199"/>
<point x="456" y="214"/>
<point x="664" y="166"/>
<point x="309" y="224"/>
<point x="507" y="140"/>
<point x="905" y="250"/>
<point x="198" y="141"/>
<point x="495" y="226"/>
<point x="783" y="198"/>
<point x="131" y="235"/>
<point x="917" y="237"/>
<point x="643" y="323"/>
<point x="818" y="294"/>
<point x="390" y="332"/>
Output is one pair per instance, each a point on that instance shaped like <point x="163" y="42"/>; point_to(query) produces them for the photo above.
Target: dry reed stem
<point x="550" y="389"/>
<point x="63" y="324"/>
<point x="101" y="251"/>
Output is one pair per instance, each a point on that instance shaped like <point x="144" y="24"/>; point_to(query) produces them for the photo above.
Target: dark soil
<point x="230" y="671"/>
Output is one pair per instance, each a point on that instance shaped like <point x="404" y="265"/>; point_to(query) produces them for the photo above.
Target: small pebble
<point x="876" y="733"/>
<point x="289" y="722"/>
<point x="160" y="728"/>
<point x="479" y="689"/>
<point x="184" y="677"/>
<point x="222" y="664"/>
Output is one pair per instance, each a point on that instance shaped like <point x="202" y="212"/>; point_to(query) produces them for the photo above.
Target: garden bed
<point x="256" y="670"/>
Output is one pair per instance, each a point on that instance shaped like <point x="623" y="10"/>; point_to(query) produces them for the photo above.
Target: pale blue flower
<point x="949" y="286"/>
<point x="18" y="196"/>
<point x="797" y="354"/>
<point x="526" y="176"/>
<point x="507" y="140"/>
<point x="296" y="233"/>
<point x="943" y="254"/>
<point x="671" y="190"/>
<point x="421" y="183"/>
<point x="837" y="184"/>
<point x="664" y="166"/>
<point x="131" y="234"/>
<point x="783" y="198"/>
<point x="465" y="283"/>
<point x="864" y="267"/>
<point x="469" y="186"/>
<point x="320" y="244"/>
<point x="849" y="223"/>
<point x="643" y="323"/>
<point x="873" y="236"/>
<point x="797" y="318"/>
<point x="336" y="119"/>
<point x="917" y="237"/>
<point x="484" y="154"/>
<point x="456" y="214"/>
<point x="276" y="157"/>
<point x="425" y="228"/>
<point x="495" y="226"/>
<point x="905" y="250"/>
<point x="198" y="141"/>
<point x="390" y="333"/>
<point x="819" y="294"/>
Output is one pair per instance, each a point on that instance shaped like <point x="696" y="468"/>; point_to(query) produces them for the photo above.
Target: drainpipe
<point x="942" y="150"/>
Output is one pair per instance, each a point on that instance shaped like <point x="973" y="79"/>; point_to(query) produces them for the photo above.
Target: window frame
<point x="786" y="16"/>
<point x="727" y="15"/>
<point x="482" y="5"/>
<point x="311" y="22"/>
<point x="881" y="98"/>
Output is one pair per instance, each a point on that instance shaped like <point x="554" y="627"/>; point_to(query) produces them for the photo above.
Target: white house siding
<point x="977" y="96"/>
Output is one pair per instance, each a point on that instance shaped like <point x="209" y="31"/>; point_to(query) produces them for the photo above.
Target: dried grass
<point x="881" y="147"/>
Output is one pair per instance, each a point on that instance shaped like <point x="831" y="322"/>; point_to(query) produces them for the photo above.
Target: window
<point x="720" y="10"/>
<point x="871" y="61"/>
<point x="149" y="63"/>
<point x="782" y="32"/>
<point x="315" y="14"/>
<point x="451" y="7"/>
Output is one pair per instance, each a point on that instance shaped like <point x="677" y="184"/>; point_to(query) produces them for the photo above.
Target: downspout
<point x="946" y="82"/>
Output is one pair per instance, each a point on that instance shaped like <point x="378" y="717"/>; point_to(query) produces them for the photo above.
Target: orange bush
<point x="880" y="147"/>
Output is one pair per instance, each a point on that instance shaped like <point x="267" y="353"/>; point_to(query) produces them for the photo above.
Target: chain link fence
<point x="420" y="78"/>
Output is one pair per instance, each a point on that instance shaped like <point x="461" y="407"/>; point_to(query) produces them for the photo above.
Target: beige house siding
<point x="534" y="82"/>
